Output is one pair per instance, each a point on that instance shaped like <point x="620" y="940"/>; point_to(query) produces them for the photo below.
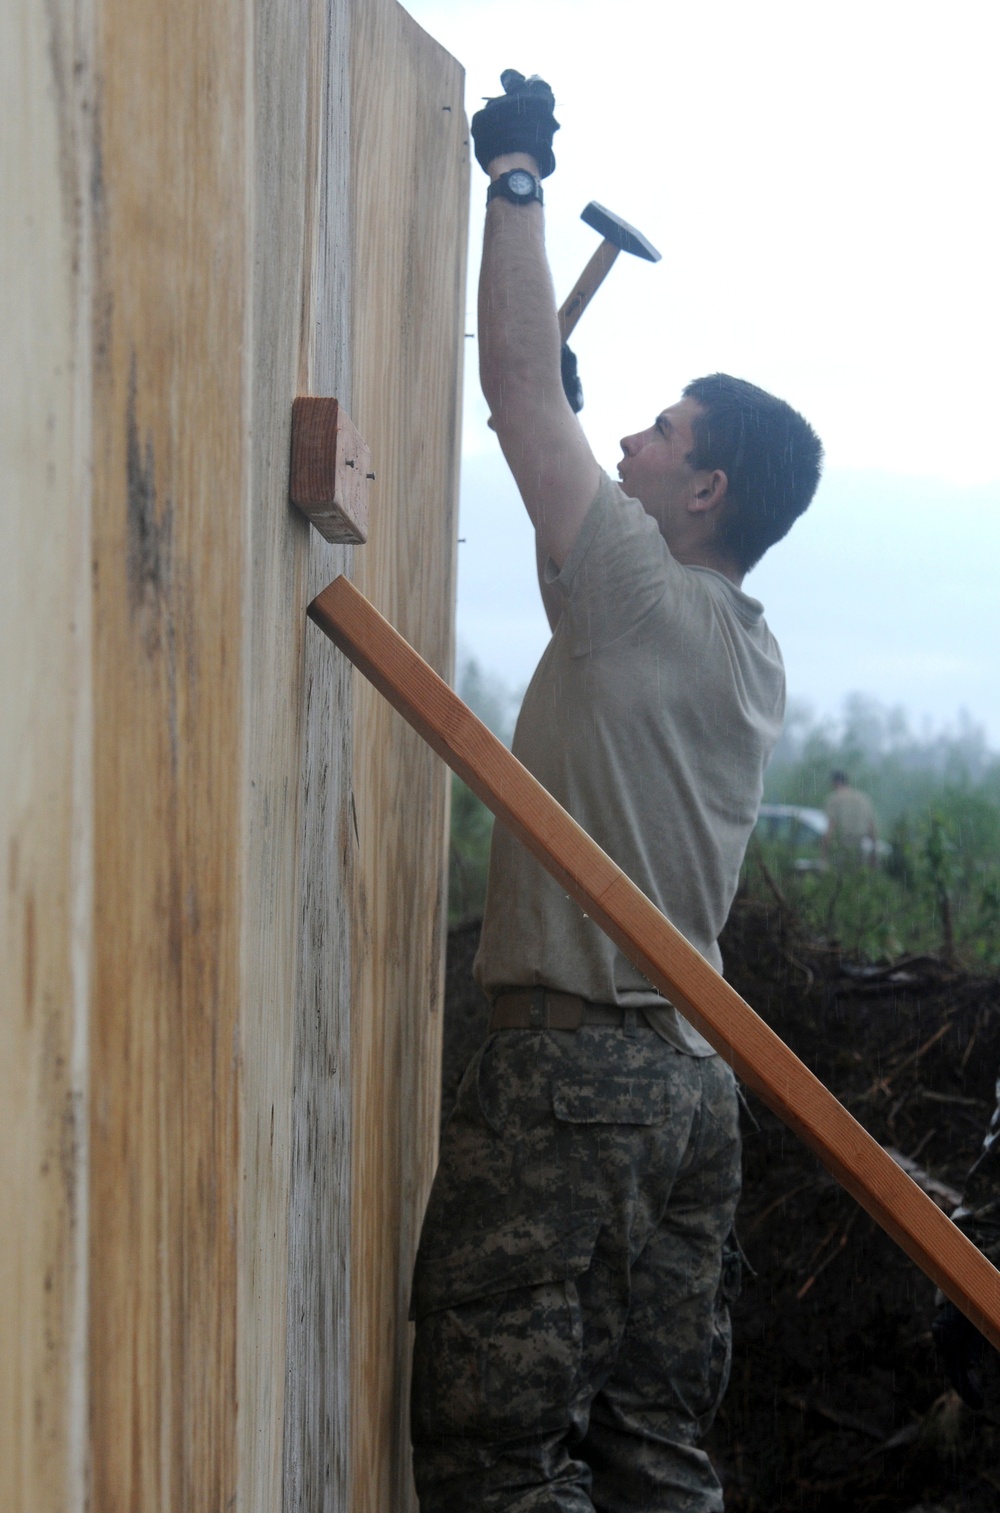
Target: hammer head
<point x="618" y="232"/>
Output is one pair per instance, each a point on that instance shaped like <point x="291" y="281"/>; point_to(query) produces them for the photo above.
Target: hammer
<point x="618" y="236"/>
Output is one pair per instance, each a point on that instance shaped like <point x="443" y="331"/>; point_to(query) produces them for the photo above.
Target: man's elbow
<point x="515" y="384"/>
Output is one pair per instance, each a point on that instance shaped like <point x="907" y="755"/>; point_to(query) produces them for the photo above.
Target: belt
<point x="547" y="1009"/>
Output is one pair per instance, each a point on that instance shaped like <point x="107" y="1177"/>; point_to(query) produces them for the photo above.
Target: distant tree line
<point x="936" y="794"/>
<point x="937" y="797"/>
<point x="471" y="822"/>
<point x="902" y="769"/>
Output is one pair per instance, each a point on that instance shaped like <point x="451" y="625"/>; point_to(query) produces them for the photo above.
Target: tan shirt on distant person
<point x="851" y="823"/>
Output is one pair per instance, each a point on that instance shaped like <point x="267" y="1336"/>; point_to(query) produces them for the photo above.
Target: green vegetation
<point x="471" y="821"/>
<point x="904" y="771"/>
<point x="469" y="853"/>
<point x="937" y="796"/>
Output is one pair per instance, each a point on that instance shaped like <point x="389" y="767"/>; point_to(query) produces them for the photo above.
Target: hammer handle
<point x="583" y="290"/>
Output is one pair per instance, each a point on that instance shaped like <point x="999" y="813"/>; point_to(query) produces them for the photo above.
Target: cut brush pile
<point x="837" y="1399"/>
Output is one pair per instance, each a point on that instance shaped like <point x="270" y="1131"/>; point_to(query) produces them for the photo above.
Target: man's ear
<point x="709" y="491"/>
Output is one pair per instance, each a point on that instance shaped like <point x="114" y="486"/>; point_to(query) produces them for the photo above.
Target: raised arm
<point x="519" y="346"/>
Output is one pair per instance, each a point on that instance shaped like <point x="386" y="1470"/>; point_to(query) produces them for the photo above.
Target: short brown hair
<point x="770" y="454"/>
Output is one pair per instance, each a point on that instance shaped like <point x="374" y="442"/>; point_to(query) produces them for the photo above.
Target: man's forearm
<point x="518" y="330"/>
<point x="519" y="345"/>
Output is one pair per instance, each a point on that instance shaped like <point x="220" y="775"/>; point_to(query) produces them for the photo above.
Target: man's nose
<point x="628" y="444"/>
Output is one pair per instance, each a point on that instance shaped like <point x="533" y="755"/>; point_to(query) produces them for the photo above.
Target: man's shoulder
<point x="618" y="547"/>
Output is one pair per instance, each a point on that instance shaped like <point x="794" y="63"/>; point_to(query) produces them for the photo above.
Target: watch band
<point x="518" y="185"/>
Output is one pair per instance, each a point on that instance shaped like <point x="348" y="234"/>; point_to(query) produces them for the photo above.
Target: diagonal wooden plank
<point x="753" y="1050"/>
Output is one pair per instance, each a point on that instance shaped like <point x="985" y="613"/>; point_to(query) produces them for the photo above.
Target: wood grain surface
<point x="295" y="939"/>
<point x="171" y="300"/>
<point x="317" y="1458"/>
<point x="45" y="769"/>
<point x="410" y="188"/>
<point x="188" y="914"/>
<point x="756" y="1054"/>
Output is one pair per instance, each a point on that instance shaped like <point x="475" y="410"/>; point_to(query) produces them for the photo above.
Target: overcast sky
<point x="821" y="182"/>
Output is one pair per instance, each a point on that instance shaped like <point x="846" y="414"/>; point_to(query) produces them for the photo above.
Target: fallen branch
<point x="841" y="1245"/>
<point x="884" y="1084"/>
<point x="835" y="1416"/>
<point x="785" y="1197"/>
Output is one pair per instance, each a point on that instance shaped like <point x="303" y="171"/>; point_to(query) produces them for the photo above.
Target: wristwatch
<point x="519" y="186"/>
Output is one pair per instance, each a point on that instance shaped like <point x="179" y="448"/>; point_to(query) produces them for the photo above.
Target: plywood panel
<point x="44" y="770"/>
<point x="170" y="208"/>
<point x="410" y="215"/>
<point x="277" y="550"/>
<point x="317" y="1450"/>
<point x="188" y="873"/>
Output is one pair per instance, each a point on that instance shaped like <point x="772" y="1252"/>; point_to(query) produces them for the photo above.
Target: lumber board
<point x="757" y="1055"/>
<point x="331" y="469"/>
<point x="181" y="811"/>
<point x="290" y="1308"/>
<point x="317" y="1456"/>
<point x="45" y="772"/>
<point x="168" y="193"/>
<point x="407" y="302"/>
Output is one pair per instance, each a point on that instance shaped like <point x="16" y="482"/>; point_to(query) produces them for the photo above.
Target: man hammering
<point x="576" y="1265"/>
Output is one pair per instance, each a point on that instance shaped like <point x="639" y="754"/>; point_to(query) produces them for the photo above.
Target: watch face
<point x="520" y="181"/>
<point x="518" y="186"/>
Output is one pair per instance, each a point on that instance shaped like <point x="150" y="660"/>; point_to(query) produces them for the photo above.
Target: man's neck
<point x="702" y="554"/>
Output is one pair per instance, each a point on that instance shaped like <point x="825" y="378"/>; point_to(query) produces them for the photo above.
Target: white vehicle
<point x="791" y="823"/>
<point x="802" y="830"/>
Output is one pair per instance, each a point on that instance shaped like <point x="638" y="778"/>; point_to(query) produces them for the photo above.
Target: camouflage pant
<point x="571" y="1292"/>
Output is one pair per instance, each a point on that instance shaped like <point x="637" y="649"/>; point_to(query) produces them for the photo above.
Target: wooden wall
<point x="45" y="764"/>
<point x="223" y="862"/>
<point x="407" y="394"/>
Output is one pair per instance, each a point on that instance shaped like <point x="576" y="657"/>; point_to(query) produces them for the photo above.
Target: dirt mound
<point x="837" y="1400"/>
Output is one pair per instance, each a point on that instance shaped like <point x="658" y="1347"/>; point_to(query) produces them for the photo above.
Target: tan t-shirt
<point x="851" y="817"/>
<point x="650" y="717"/>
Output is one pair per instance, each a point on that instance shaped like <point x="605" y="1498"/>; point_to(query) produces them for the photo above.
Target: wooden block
<point x="331" y="470"/>
<point x="661" y="953"/>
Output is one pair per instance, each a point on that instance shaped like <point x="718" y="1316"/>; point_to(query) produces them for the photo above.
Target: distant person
<point x="852" y="831"/>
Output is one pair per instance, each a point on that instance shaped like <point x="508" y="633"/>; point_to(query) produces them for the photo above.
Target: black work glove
<point x="962" y="1350"/>
<point x="519" y="120"/>
<point x="572" y="387"/>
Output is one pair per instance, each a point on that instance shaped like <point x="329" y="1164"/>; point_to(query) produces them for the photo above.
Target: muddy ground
<point x="837" y="1400"/>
